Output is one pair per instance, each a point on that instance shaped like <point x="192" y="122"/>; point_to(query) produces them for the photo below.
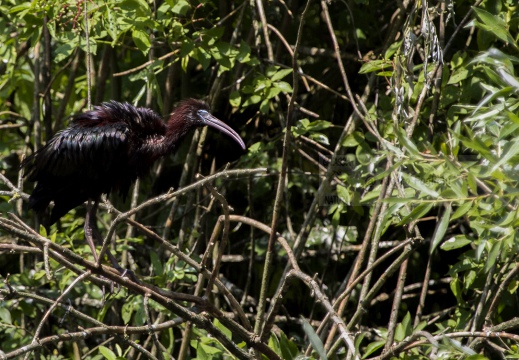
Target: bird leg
<point x="92" y="232"/>
<point x="90" y="224"/>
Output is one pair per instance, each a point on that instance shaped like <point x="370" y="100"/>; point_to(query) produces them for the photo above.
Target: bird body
<point x="106" y="150"/>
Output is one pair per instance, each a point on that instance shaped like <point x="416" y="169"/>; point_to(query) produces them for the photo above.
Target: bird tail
<point x="41" y="197"/>
<point x="63" y="206"/>
<point x="39" y="201"/>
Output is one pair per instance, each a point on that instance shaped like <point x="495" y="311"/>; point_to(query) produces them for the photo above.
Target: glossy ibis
<point x="106" y="150"/>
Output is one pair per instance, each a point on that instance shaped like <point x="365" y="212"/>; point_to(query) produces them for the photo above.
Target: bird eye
<point x="202" y="114"/>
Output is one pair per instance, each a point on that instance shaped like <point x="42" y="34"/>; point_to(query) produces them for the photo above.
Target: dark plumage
<point x="106" y="150"/>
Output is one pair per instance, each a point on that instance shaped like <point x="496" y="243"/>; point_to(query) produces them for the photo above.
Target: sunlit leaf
<point x="494" y="24"/>
<point x="141" y="40"/>
<point x="375" y="65"/>
<point x="280" y="74"/>
<point x="107" y="353"/>
<point x="455" y="242"/>
<point x="441" y="228"/>
<point x="283" y="86"/>
<point x="5" y="316"/>
<point x="315" y="341"/>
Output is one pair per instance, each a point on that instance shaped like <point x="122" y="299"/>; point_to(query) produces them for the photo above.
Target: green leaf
<point x="419" y="185"/>
<point x="184" y="62"/>
<point x="254" y="99"/>
<point x="223" y="329"/>
<point x="416" y="213"/>
<point x="5" y="316"/>
<point x="111" y="26"/>
<point x="510" y="149"/>
<point x="21" y="7"/>
<point x="321" y="138"/>
<point x="186" y="47"/>
<point x="455" y="242"/>
<point x="127" y="311"/>
<point x="398" y="200"/>
<point x="318" y="125"/>
<point x="343" y="194"/>
<point x="375" y="65"/>
<point x="107" y="353"/>
<point x="235" y="98"/>
<point x="370" y="196"/>
<point x="272" y="92"/>
<point x="407" y="143"/>
<point x="264" y="107"/>
<point x="203" y="57"/>
<point x="441" y="228"/>
<point x="508" y="219"/>
<point x="493" y="255"/>
<point x="63" y="51"/>
<point x="271" y="70"/>
<point x="209" y="350"/>
<point x="39" y="274"/>
<point x="353" y="139"/>
<point x="104" y="310"/>
<point x="385" y="73"/>
<point x="470" y="277"/>
<point x="513" y="117"/>
<point x="283" y="86"/>
<point x="156" y="264"/>
<point x="459" y="346"/>
<point x="221" y="52"/>
<point x="512" y="287"/>
<point x="140" y="313"/>
<point x="372" y="347"/>
<point x="288" y="348"/>
<point x="364" y="154"/>
<point x="458" y="75"/>
<point x="244" y="52"/>
<point x="315" y="341"/>
<point x="494" y="24"/>
<point x="456" y="290"/>
<point x="476" y="357"/>
<point x="404" y="328"/>
<point x="254" y="148"/>
<point x="280" y="74"/>
<point x="180" y="7"/>
<point x="141" y="40"/>
<point x="274" y="344"/>
<point x="358" y="341"/>
<point x="261" y="84"/>
<point x="462" y="210"/>
<point x="304" y="126"/>
<point x="137" y="7"/>
<point x="43" y="231"/>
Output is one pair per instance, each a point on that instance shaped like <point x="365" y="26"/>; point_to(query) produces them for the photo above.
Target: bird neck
<point x="176" y="128"/>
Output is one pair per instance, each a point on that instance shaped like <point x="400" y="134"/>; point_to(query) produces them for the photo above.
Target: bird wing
<point x="104" y="149"/>
<point x="79" y="151"/>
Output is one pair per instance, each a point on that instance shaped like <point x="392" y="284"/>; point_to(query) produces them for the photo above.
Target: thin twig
<point x="169" y="196"/>
<point x="147" y="63"/>
<point x="88" y="63"/>
<point x="263" y="19"/>
<point x="58" y="300"/>
<point x="150" y="327"/>
<point x="225" y="235"/>
<point x="281" y="181"/>
<point x="159" y="295"/>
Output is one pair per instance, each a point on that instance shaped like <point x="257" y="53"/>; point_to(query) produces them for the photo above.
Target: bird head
<point x="195" y="113"/>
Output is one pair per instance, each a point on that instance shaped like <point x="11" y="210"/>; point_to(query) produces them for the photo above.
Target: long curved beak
<point x="212" y="121"/>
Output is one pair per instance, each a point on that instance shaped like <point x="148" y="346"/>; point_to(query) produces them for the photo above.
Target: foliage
<point x="401" y="153"/>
